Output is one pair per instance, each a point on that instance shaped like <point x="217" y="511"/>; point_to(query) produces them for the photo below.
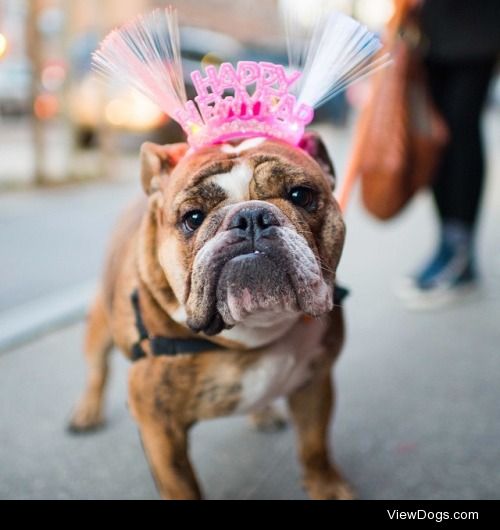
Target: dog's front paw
<point x="86" y="417"/>
<point x="328" y="486"/>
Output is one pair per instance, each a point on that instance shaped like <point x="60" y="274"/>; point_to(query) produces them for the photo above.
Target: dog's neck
<point x="251" y="334"/>
<point x="257" y="331"/>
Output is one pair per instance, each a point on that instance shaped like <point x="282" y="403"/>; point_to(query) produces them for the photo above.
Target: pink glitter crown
<point x="250" y="100"/>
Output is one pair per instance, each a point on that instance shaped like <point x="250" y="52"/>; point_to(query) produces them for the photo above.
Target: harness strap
<point x="164" y="345"/>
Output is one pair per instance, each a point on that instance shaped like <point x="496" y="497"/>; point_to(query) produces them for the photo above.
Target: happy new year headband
<point x="251" y="98"/>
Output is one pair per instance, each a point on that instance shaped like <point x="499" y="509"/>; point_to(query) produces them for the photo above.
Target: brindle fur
<point x="167" y="395"/>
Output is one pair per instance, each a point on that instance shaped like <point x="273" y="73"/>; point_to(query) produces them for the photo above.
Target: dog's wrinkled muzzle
<point x="257" y="262"/>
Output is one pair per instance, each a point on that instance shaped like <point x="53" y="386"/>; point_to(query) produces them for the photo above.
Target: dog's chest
<point x="286" y="367"/>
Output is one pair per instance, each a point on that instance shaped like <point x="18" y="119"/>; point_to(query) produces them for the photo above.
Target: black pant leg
<point x="459" y="90"/>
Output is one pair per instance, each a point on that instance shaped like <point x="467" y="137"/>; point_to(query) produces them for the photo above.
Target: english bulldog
<point x="220" y="288"/>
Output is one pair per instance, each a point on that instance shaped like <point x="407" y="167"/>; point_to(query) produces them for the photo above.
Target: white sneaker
<point x="442" y="295"/>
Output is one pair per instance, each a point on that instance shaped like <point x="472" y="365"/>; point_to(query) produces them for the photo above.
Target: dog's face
<point x="245" y="231"/>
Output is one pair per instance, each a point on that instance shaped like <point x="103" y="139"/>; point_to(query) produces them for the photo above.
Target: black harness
<point x="172" y="347"/>
<point x="164" y="345"/>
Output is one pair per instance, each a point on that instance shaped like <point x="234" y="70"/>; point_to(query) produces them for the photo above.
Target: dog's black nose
<point x="253" y="223"/>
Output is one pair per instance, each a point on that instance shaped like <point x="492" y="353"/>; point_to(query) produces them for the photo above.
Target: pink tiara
<point x="253" y="98"/>
<point x="250" y="100"/>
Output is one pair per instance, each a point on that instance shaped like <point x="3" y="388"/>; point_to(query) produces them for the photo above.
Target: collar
<point x="340" y="293"/>
<point x="157" y="346"/>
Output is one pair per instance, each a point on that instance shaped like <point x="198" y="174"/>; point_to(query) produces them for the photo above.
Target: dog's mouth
<point x="233" y="280"/>
<point x="254" y="283"/>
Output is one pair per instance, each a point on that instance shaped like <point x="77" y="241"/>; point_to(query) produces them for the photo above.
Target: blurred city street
<point x="418" y="393"/>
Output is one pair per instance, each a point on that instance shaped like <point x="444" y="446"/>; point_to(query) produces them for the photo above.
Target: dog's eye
<point x="193" y="220"/>
<point x="303" y="197"/>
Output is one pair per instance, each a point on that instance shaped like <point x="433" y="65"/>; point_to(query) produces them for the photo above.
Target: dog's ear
<point x="158" y="160"/>
<point x="314" y="146"/>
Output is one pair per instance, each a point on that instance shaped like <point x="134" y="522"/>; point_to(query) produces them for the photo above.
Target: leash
<point x="171" y="347"/>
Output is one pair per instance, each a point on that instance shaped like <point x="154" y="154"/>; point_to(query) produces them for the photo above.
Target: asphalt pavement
<point x="54" y="238"/>
<point x="418" y="393"/>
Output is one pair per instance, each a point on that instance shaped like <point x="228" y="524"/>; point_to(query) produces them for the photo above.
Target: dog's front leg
<point x="166" y="448"/>
<point x="311" y="408"/>
<point x="164" y="434"/>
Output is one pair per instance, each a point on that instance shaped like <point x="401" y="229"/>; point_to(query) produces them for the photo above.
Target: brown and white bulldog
<point x="233" y="255"/>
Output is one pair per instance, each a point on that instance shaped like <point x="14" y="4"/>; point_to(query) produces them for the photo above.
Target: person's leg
<point x="459" y="91"/>
<point x="458" y="184"/>
<point x="440" y="82"/>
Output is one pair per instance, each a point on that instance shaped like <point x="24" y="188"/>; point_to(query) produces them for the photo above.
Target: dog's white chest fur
<point x="284" y="369"/>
